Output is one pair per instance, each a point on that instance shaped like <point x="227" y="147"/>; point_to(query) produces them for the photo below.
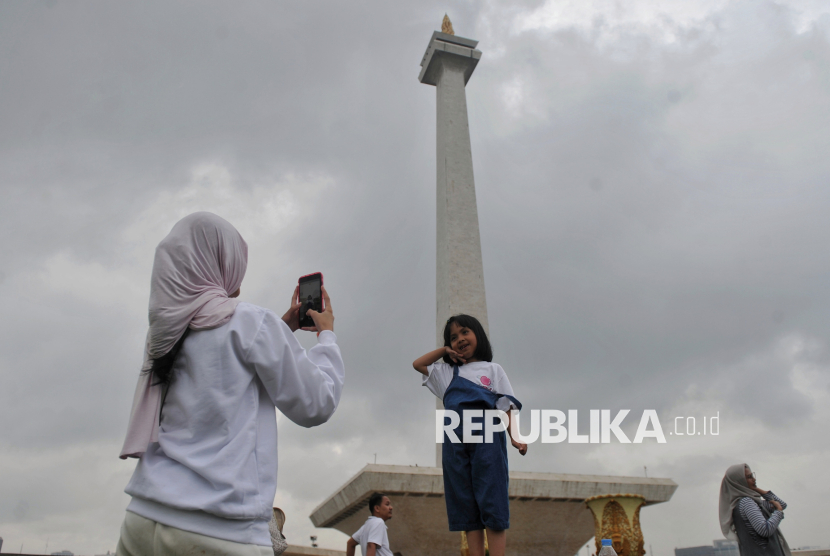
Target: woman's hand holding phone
<point x="292" y="315"/>
<point x="324" y="320"/>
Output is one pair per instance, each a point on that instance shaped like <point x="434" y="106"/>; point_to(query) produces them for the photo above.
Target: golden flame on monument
<point x="446" y="25"/>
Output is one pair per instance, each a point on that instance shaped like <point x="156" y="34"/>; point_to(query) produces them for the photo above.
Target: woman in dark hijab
<point x="751" y="515"/>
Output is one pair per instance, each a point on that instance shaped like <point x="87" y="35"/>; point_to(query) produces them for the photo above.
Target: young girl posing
<point x="475" y="475"/>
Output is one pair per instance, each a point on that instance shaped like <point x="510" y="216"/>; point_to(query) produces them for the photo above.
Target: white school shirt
<point x="374" y="530"/>
<point x="483" y="373"/>
<point x="214" y="469"/>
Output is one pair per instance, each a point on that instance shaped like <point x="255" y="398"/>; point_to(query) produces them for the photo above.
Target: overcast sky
<point x="652" y="174"/>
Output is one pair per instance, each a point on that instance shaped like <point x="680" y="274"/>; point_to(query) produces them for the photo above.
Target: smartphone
<point x="311" y="297"/>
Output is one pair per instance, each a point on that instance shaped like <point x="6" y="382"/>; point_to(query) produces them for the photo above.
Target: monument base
<point x="548" y="515"/>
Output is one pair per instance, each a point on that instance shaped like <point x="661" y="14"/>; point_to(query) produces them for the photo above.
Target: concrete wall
<point x="548" y="515"/>
<point x="294" y="550"/>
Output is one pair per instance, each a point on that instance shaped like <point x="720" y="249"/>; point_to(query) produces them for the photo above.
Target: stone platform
<point x="295" y="550"/>
<point x="548" y="515"/>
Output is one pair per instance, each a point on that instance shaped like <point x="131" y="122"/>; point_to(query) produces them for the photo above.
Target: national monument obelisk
<point x="548" y="515"/>
<point x="448" y="64"/>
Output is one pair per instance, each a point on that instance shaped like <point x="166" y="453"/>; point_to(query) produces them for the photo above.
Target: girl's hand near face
<point x="428" y="359"/>
<point x="453" y="355"/>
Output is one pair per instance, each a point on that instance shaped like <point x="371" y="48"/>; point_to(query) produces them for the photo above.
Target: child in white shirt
<point x="463" y="375"/>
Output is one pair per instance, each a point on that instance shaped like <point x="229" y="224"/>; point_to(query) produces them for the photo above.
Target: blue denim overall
<point x="475" y="475"/>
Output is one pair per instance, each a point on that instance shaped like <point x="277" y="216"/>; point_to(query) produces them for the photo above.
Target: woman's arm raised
<point x="751" y="512"/>
<point x="305" y="387"/>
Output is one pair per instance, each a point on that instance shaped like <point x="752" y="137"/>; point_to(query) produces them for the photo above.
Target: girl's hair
<point x="162" y="370"/>
<point x="483" y="350"/>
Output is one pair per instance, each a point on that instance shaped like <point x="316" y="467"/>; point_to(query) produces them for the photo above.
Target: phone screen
<point x="311" y="297"/>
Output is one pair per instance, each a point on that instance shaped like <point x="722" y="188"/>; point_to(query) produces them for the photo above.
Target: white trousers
<point x="143" y="537"/>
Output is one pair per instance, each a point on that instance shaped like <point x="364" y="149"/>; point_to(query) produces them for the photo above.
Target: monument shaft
<point x="448" y="64"/>
<point x="460" y="277"/>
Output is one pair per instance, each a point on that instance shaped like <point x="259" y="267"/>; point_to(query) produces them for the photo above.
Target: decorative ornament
<point x="617" y="517"/>
<point x="446" y="26"/>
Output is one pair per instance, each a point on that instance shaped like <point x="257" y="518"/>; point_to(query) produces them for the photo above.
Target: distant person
<point x="463" y="375"/>
<point x="751" y="515"/>
<point x="372" y="536"/>
<point x="203" y="421"/>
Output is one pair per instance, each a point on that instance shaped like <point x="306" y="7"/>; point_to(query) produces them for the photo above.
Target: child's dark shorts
<point x="475" y="485"/>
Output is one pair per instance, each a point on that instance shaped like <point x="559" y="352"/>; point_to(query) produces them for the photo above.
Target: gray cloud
<point x="652" y="215"/>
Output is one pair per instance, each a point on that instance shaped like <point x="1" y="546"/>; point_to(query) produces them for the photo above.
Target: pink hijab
<point x="200" y="262"/>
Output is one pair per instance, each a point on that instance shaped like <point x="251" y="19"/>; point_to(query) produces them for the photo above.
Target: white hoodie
<point x="214" y="468"/>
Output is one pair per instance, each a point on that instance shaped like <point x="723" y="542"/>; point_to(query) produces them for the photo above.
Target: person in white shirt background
<point x="203" y="421"/>
<point x="372" y="537"/>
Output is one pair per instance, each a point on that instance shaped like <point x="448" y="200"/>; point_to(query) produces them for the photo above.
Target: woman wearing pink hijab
<point x="203" y="422"/>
